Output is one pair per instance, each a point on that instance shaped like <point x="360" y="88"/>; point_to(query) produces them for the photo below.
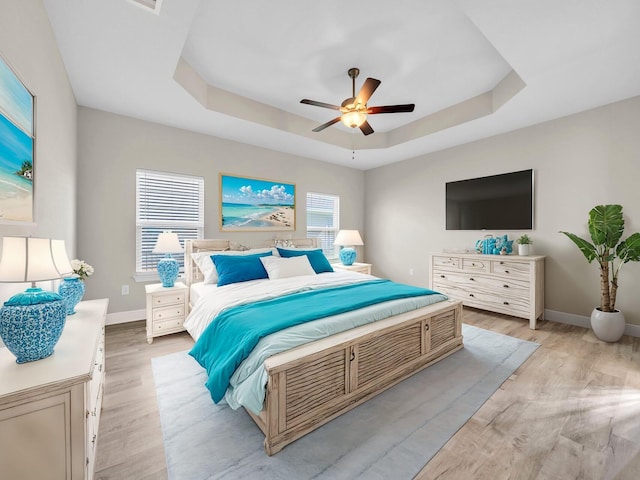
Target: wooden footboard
<point x="314" y="383"/>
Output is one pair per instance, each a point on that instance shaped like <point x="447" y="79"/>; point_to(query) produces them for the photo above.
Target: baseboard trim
<point x="582" y="321"/>
<point x="125" y="317"/>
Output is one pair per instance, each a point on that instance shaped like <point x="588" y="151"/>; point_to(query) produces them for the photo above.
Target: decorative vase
<point x="523" y="249"/>
<point x="168" y="269"/>
<point x="71" y="290"/>
<point x="31" y="323"/>
<point x="347" y="255"/>
<point x="607" y="326"/>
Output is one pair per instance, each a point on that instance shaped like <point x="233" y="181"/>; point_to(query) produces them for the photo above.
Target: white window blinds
<point x="166" y="201"/>
<point x="323" y="220"/>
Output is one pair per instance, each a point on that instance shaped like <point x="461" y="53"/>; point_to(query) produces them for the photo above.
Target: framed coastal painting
<point x="254" y="204"/>
<point x="17" y="140"/>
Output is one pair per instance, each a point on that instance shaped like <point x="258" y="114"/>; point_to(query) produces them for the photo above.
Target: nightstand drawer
<point x="168" y="312"/>
<point x="159" y="300"/>
<point x="169" y="325"/>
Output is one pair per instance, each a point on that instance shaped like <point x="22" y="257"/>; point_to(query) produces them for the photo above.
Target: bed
<point x="314" y="382"/>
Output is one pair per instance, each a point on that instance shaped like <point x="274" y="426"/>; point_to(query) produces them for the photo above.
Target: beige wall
<point x="579" y="161"/>
<point x="111" y="147"/>
<point x="27" y="43"/>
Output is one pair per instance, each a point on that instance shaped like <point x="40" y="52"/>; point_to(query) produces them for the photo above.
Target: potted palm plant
<point x="606" y="226"/>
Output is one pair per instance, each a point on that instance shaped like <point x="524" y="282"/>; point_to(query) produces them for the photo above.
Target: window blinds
<point x="323" y="220"/>
<point x="166" y="201"/>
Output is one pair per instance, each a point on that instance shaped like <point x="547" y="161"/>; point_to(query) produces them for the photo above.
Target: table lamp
<point x="31" y="322"/>
<point x="168" y="243"/>
<point x="348" y="239"/>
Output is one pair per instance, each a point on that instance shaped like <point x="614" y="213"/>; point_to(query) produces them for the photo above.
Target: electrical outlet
<point x="125" y="289"/>
<point x="411" y="271"/>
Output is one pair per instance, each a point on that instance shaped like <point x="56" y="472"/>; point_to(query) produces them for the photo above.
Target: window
<point x="165" y="201"/>
<point x="323" y="220"/>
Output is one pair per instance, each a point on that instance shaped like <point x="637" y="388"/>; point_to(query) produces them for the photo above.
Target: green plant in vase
<point x="606" y="227"/>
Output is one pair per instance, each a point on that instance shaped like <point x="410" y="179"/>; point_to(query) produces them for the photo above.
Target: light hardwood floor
<point x="571" y="411"/>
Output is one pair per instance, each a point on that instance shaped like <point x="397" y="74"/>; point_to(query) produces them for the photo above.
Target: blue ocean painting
<point x="248" y="203"/>
<point x="16" y="148"/>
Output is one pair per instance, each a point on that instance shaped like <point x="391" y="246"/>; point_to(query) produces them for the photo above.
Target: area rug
<point x="391" y="436"/>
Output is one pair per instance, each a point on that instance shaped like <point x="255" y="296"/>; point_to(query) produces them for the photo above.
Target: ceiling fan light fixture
<point x="354" y="119"/>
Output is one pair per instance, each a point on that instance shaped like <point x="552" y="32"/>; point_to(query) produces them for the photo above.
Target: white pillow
<point x="278" y="267"/>
<point x="208" y="269"/>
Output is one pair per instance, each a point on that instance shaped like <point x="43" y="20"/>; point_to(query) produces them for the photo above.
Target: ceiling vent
<point x="153" y="5"/>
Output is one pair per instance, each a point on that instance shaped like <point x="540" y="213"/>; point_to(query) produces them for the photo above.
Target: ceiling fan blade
<point x="370" y="85"/>
<point x="366" y="128"/>
<point x="328" y="124"/>
<point x="319" y="104"/>
<point x="391" y="109"/>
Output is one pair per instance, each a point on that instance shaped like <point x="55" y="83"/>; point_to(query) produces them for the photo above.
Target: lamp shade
<point x="348" y="238"/>
<point x="167" y="242"/>
<point x="26" y="259"/>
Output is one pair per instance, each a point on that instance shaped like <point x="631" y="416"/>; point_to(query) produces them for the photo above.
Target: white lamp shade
<point x="348" y="238"/>
<point x="167" y="242"/>
<point x="60" y="258"/>
<point x="26" y="259"/>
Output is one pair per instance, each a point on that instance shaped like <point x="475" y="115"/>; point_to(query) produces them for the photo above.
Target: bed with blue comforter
<point x="241" y="327"/>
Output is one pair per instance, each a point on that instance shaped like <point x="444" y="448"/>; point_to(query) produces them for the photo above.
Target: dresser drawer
<point x="446" y="262"/>
<point x="168" y="312"/>
<point x="171" y="299"/>
<point x="169" y="325"/>
<point x="475" y="265"/>
<point x="511" y="269"/>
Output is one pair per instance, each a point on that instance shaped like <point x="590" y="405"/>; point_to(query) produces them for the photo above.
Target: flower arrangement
<point x="81" y="268"/>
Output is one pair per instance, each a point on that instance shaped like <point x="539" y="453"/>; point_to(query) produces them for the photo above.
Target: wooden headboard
<point x="193" y="273"/>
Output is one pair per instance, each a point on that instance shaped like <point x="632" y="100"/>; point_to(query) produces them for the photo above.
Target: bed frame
<point x="314" y="383"/>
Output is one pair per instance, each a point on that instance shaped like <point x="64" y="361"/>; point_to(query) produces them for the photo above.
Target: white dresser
<point x="508" y="284"/>
<point x="50" y="409"/>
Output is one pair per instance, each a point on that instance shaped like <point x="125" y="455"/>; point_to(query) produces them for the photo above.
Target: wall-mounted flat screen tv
<point x="498" y="202"/>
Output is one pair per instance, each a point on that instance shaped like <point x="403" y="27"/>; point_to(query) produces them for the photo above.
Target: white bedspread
<point x="211" y="304"/>
<point x="247" y="385"/>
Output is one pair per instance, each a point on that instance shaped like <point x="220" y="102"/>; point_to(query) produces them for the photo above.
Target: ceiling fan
<point x="354" y="109"/>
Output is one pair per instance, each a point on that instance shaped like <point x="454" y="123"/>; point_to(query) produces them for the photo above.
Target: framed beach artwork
<point x="254" y="204"/>
<point x="17" y="140"/>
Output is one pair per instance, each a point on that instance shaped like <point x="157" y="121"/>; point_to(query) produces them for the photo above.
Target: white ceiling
<point x="238" y="69"/>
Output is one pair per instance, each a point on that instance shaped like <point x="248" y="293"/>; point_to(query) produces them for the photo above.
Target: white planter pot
<point x="607" y="326"/>
<point x="523" y="249"/>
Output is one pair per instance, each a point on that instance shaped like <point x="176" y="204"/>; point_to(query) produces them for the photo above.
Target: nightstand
<point x="356" y="267"/>
<point x="166" y="309"/>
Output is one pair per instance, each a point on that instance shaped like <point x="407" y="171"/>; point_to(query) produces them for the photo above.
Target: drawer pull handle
<point x="506" y="303"/>
<point x="93" y="440"/>
<point x="506" y="271"/>
<point x="353" y="356"/>
<point x="471" y="278"/>
<point x="472" y="295"/>
<point x="473" y="264"/>
<point x="505" y="286"/>
<point x="426" y="327"/>
<point x="441" y="276"/>
<point x="501" y="263"/>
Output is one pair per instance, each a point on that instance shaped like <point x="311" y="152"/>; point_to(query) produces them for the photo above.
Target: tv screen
<point x="498" y="202"/>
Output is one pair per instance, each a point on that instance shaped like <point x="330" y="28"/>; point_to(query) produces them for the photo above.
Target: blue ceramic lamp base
<point x="31" y="324"/>
<point x="348" y="255"/>
<point x="168" y="270"/>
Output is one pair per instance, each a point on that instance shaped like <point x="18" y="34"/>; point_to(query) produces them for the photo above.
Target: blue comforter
<point x="229" y="339"/>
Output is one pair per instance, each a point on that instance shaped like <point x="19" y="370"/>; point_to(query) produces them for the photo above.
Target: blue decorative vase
<point x="168" y="270"/>
<point x="348" y="255"/>
<point x="31" y="324"/>
<point x="71" y="290"/>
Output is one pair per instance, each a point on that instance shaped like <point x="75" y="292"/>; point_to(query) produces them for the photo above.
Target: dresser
<point x="50" y="408"/>
<point x="509" y="284"/>
<point x="166" y="309"/>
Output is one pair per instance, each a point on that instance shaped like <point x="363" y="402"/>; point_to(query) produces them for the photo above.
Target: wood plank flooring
<point x="572" y="411"/>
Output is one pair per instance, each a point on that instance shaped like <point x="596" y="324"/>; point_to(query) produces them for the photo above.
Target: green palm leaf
<point x="587" y="249"/>
<point x="606" y="225"/>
